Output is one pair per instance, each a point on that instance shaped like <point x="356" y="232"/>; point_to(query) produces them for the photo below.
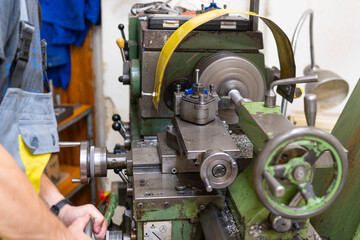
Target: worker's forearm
<point x="49" y="192"/>
<point x="23" y="214"/>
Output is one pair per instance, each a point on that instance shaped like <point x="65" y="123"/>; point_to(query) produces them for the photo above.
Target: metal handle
<point x="310" y="109"/>
<point x="278" y="189"/>
<point x="270" y="96"/>
<point x="69" y="144"/>
<point x="120" y="127"/>
<point x="121" y="28"/>
<point x="89" y="229"/>
<point x="295" y="80"/>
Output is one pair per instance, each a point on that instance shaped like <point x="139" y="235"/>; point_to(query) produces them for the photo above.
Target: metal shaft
<point x="197" y="75"/>
<point x="116" y="161"/>
<point x="69" y="144"/>
<point x="235" y="96"/>
<point x="254" y="21"/>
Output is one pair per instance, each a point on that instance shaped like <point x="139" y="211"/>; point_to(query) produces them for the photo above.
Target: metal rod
<point x="254" y="21"/>
<point x="295" y="80"/>
<point x="284" y="104"/>
<point x="197" y="75"/>
<point x="294" y="41"/>
<point x="123" y="54"/>
<point x="296" y="34"/>
<point x="69" y="144"/>
<point x="122" y="176"/>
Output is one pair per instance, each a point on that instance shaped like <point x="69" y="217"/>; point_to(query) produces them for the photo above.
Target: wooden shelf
<point x="78" y="114"/>
<point x="324" y="121"/>
<point x="66" y="187"/>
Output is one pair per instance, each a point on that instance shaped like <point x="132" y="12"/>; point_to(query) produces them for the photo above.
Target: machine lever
<point x="310" y="109"/>
<point x="121" y="28"/>
<point x="121" y="175"/>
<point x="119" y="126"/>
<point x="121" y="44"/>
<point x="270" y="96"/>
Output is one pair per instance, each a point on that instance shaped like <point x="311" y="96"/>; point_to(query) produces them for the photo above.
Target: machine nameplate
<point x="157" y="230"/>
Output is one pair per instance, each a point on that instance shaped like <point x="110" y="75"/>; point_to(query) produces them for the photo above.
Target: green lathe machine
<point x="215" y="158"/>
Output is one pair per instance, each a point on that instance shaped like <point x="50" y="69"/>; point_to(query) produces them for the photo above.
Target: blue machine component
<point x="212" y="6"/>
<point x="188" y="91"/>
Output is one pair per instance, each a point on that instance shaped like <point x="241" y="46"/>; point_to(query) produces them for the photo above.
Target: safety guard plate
<point x="157" y="230"/>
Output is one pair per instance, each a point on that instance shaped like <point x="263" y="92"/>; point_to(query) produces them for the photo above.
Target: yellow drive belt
<point x="285" y="53"/>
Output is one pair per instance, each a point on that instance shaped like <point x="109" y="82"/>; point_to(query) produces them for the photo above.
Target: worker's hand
<point x="76" y="229"/>
<point x="68" y="214"/>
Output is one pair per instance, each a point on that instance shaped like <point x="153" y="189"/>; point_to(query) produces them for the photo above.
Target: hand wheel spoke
<point x="278" y="171"/>
<point x="307" y="191"/>
<point x="325" y="160"/>
<point x="313" y="154"/>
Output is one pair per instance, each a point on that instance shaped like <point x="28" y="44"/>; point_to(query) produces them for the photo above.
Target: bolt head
<point x="202" y="207"/>
<point x="219" y="170"/>
<point x="300" y="173"/>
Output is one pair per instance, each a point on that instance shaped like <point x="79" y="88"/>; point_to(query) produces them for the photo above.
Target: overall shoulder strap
<point x="24" y="15"/>
<point x="22" y="56"/>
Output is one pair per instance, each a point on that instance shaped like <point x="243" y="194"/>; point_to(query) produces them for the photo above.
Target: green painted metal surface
<point x="356" y="235"/>
<point x="134" y="121"/>
<point x="256" y="107"/>
<point x="133" y="38"/>
<point x="341" y="220"/>
<point x="152" y="126"/>
<point x="248" y="113"/>
<point x="186" y="208"/>
<point x="135" y="78"/>
<point x="250" y="211"/>
<point x="222" y="40"/>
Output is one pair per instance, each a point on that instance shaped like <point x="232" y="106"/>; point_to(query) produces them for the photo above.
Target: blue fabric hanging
<point x="65" y="22"/>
